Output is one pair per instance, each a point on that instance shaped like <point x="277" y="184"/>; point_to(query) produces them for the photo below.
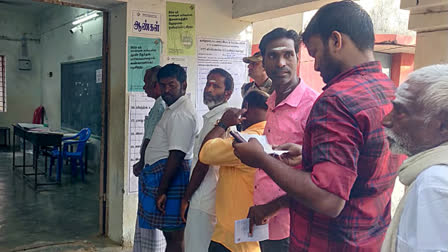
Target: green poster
<point x="181" y="29"/>
<point x="143" y="53"/>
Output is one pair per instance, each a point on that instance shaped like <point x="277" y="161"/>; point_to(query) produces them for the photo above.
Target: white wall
<point x="431" y="48"/>
<point x="386" y="15"/>
<point x="258" y="10"/>
<point x="23" y="87"/>
<point x="386" y="62"/>
<point x="60" y="46"/>
<point x="26" y="90"/>
<point x="288" y="22"/>
<point x="213" y="19"/>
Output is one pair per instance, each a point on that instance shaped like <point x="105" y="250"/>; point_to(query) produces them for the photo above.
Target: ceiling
<point x="102" y="4"/>
<point x="37" y="6"/>
<point x="27" y="6"/>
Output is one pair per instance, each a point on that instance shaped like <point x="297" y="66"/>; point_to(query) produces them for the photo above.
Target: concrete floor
<point x="53" y="214"/>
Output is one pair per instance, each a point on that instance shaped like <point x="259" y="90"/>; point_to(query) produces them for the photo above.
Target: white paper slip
<point x="264" y="142"/>
<point x="259" y="233"/>
<point x="29" y="126"/>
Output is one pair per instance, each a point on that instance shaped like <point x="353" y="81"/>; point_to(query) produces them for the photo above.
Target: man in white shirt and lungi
<point x="168" y="160"/>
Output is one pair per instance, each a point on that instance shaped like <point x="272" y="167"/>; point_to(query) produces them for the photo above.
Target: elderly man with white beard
<point x="418" y="127"/>
<point x="201" y="189"/>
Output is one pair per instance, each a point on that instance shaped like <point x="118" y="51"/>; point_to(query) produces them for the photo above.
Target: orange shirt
<point x="234" y="191"/>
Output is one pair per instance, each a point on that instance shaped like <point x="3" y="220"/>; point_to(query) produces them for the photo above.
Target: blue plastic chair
<point x="75" y="157"/>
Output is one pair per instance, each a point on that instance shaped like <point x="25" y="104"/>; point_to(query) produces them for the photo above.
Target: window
<point x="2" y="85"/>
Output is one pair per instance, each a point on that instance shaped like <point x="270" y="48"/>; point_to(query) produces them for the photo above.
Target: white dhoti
<point x="199" y="230"/>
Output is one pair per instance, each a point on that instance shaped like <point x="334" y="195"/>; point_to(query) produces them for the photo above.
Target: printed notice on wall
<point x="99" y="75"/>
<point x="139" y="106"/>
<point x="181" y="29"/>
<point x="143" y="53"/>
<point x="145" y="22"/>
<point x="187" y="63"/>
<point x="226" y="54"/>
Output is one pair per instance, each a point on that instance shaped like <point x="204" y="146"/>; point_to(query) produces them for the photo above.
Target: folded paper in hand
<point x="259" y="233"/>
<point x="264" y="142"/>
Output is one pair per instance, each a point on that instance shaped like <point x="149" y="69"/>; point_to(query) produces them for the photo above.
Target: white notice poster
<point x="223" y="53"/>
<point x="99" y="75"/>
<point x="139" y="106"/>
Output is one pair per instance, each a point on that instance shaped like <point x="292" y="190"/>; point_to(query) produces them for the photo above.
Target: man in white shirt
<point x="164" y="179"/>
<point x="418" y="127"/>
<point x="202" y="187"/>
<point x="149" y="239"/>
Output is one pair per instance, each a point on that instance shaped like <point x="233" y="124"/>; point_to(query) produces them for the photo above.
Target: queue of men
<point x="331" y="189"/>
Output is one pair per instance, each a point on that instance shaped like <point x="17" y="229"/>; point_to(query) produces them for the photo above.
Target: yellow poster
<point x="181" y="29"/>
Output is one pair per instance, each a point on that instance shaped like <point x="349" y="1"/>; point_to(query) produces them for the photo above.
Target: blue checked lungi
<point x="148" y="214"/>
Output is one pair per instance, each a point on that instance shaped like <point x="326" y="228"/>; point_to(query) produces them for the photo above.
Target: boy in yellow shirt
<point x="235" y="188"/>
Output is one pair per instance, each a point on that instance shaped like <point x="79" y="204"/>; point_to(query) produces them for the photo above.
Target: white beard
<point x="212" y="104"/>
<point x="398" y="144"/>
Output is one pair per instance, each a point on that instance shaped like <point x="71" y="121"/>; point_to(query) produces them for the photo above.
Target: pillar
<point x="429" y="18"/>
<point x="402" y="66"/>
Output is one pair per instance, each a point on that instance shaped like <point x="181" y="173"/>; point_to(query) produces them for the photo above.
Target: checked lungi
<point x="148" y="215"/>
<point x="148" y="240"/>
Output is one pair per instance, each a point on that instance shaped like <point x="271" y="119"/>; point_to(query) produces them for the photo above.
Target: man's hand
<point x="183" y="209"/>
<point x="138" y="167"/>
<point x="232" y="117"/>
<point x="294" y="155"/>
<point x="250" y="153"/>
<point x="258" y="215"/>
<point x="161" y="201"/>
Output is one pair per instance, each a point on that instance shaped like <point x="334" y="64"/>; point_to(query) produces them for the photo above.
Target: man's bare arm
<point x="260" y="214"/>
<point x="173" y="163"/>
<point x="198" y="175"/>
<point x="299" y="184"/>
<point x="143" y="148"/>
<point x="138" y="167"/>
<point x="201" y="169"/>
<point x="296" y="183"/>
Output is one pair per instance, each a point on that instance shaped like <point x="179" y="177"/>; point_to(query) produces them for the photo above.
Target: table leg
<point x="71" y="150"/>
<point x="35" y="158"/>
<point x="14" y="150"/>
<point x="86" y="158"/>
<point x="60" y="164"/>
<point x="24" y="154"/>
<point x="46" y="163"/>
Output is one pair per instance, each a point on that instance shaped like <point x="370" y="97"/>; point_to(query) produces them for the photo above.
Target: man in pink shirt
<point x="288" y="109"/>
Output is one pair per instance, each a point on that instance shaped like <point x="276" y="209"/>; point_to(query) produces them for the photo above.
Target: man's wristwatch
<point x="221" y="124"/>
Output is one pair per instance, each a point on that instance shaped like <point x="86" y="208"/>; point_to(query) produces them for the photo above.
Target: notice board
<point x="81" y="84"/>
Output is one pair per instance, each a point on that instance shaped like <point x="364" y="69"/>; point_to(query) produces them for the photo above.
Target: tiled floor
<point x="52" y="214"/>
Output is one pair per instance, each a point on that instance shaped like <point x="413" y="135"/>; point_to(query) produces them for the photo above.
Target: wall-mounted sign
<point x="145" y="22"/>
<point x="227" y="54"/>
<point x="139" y="106"/>
<point x="143" y="53"/>
<point x="181" y="33"/>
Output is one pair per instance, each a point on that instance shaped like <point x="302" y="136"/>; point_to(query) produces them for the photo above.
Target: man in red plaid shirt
<point x="341" y="195"/>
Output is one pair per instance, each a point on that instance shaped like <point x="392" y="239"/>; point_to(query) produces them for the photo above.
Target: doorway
<point x="48" y="35"/>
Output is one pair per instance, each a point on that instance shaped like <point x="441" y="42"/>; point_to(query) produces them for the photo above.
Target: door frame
<point x="105" y="103"/>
